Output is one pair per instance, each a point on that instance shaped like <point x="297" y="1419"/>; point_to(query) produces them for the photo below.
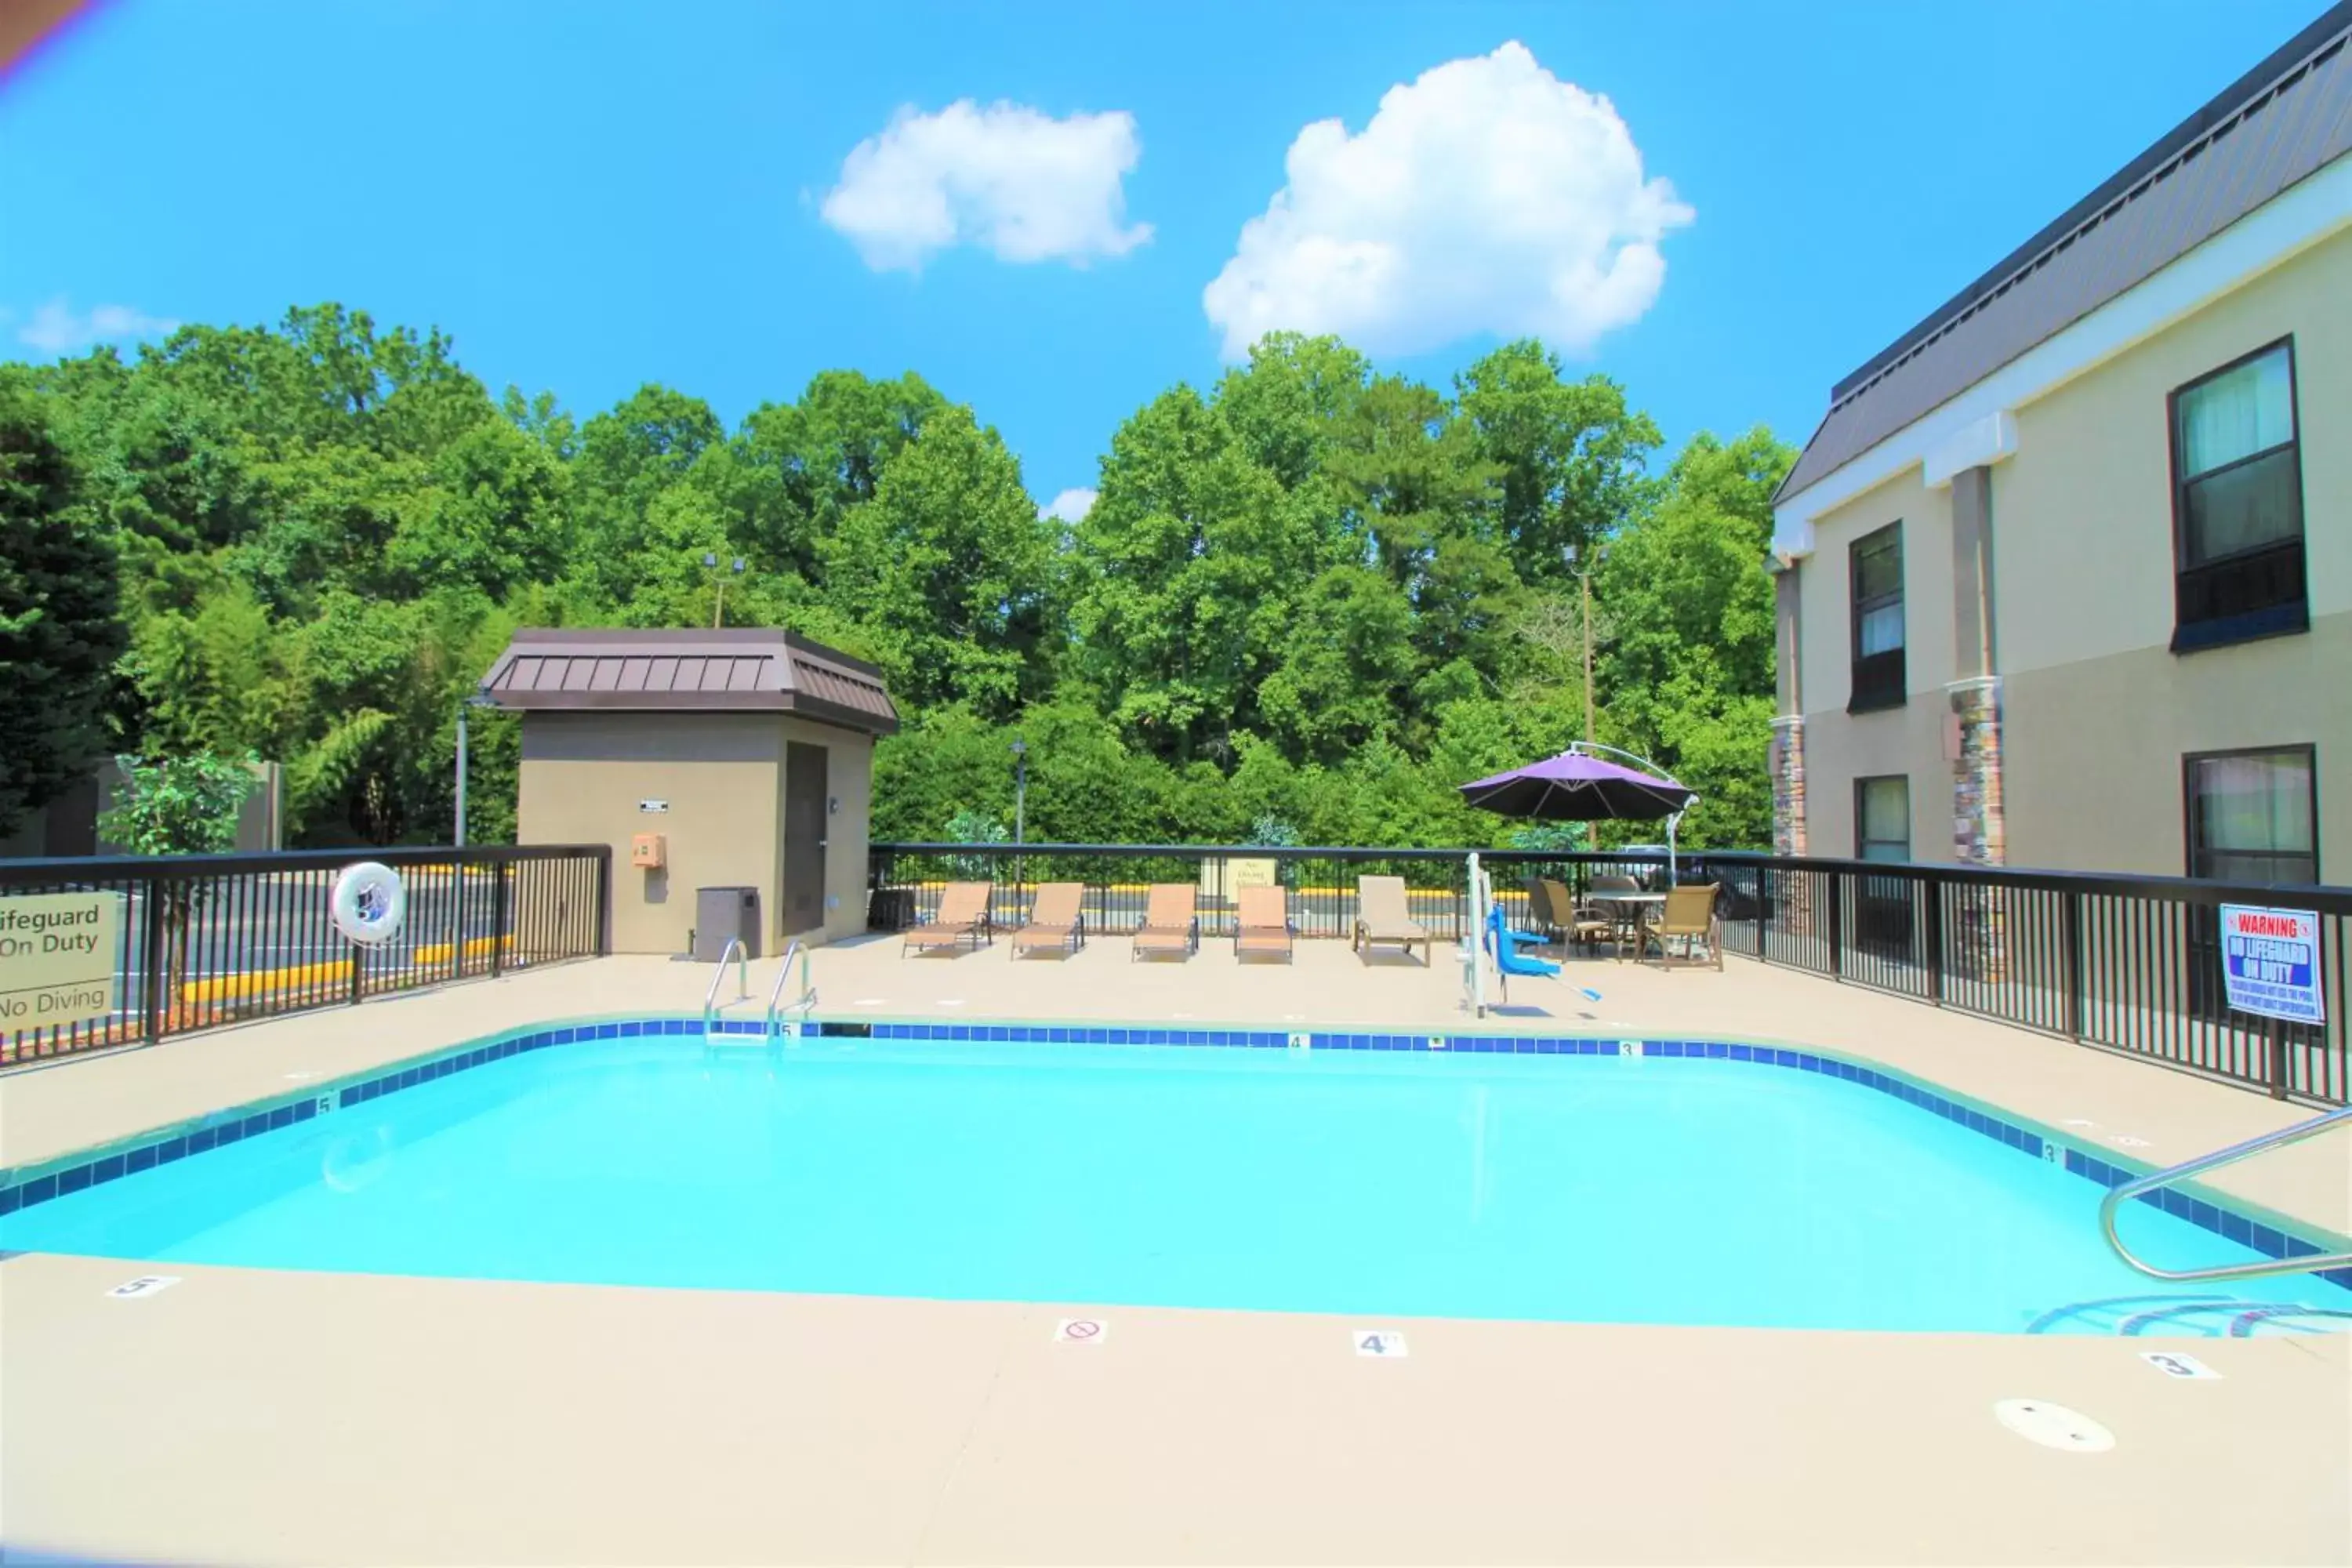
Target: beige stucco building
<point x="726" y="759"/>
<point x="2066" y="574"/>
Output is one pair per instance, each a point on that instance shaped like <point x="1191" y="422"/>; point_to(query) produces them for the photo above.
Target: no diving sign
<point x="1081" y="1331"/>
<point x="2270" y="962"/>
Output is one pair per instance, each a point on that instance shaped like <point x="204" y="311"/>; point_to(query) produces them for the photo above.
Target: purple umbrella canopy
<point x="1576" y="787"/>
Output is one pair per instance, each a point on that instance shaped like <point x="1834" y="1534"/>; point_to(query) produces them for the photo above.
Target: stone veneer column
<point x="1794" y="897"/>
<point x="1979" y="826"/>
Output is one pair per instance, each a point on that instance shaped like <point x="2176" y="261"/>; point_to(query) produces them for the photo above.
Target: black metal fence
<point x="204" y="940"/>
<point x="2132" y="964"/>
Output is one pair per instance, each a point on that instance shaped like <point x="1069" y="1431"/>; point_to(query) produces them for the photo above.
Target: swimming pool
<point x="1562" y="1180"/>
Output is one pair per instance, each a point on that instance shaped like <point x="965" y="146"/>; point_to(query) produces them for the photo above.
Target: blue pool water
<point x="1584" y="1188"/>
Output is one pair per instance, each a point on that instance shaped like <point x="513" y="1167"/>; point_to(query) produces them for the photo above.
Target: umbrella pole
<point x="1674" y="865"/>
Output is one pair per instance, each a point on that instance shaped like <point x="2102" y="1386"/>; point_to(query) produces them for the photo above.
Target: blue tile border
<point x="36" y="1184"/>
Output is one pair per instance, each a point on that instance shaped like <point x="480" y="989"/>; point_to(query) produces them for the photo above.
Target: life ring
<point x="369" y="902"/>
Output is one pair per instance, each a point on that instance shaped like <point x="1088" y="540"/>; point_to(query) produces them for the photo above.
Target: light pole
<point x="472" y="700"/>
<point x="1020" y="802"/>
<point x="719" y="604"/>
<point x="1584" y="619"/>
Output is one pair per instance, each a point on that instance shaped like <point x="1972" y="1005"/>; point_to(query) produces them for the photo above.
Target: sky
<point x="1055" y="212"/>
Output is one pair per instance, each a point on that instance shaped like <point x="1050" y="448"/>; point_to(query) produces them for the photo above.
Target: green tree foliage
<point x="59" y="629"/>
<point x="1310" y="595"/>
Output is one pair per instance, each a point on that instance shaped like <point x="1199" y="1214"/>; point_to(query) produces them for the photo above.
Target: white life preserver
<point x="369" y="902"/>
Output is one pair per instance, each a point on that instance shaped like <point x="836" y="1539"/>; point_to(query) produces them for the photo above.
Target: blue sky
<point x="589" y="196"/>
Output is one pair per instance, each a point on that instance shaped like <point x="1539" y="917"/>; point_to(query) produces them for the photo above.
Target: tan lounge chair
<point x="1054" y="919"/>
<point x="1262" y="921"/>
<point x="1382" y="914"/>
<point x="1688" y="918"/>
<point x="1169" y="924"/>
<point x="962" y="918"/>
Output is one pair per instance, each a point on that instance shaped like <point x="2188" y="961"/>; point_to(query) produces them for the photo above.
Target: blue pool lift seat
<point x="1505" y="944"/>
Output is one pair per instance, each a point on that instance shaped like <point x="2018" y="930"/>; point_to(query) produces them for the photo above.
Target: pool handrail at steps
<point x="741" y="955"/>
<point x="2309" y="1263"/>
<point x="804" y="1004"/>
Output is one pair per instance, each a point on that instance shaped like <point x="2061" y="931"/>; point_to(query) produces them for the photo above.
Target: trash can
<point x="722" y="914"/>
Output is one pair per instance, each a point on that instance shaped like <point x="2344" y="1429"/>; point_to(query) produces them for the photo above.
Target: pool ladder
<point x="772" y="1027"/>
<point x="2310" y="1263"/>
<point x="741" y="955"/>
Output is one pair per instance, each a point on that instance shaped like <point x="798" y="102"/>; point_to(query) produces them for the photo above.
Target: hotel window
<point x="1874" y="568"/>
<point x="1882" y="818"/>
<point x="2253" y="815"/>
<point x="2237" y="505"/>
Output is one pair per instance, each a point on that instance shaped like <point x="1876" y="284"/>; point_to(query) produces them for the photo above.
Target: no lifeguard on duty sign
<point x="2270" y="962"/>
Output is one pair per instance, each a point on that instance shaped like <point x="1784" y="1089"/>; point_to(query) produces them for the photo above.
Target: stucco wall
<point x="2098" y="711"/>
<point x="722" y="775"/>
<point x="1840" y="747"/>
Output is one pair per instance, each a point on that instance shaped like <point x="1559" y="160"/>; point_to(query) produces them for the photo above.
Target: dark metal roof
<point x="2282" y="121"/>
<point x="724" y="671"/>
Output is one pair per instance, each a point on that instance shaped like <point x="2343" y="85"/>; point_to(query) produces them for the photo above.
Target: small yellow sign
<point x="1238" y="874"/>
<point x="58" y="952"/>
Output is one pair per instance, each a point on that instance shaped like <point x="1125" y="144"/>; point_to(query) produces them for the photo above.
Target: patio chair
<point x="1620" y="922"/>
<point x="1384" y="914"/>
<point x="1688" y="918"/>
<point x="1551" y="921"/>
<point x="962" y="918"/>
<point x="1169" y="924"/>
<point x="1054" y="919"/>
<point x="1582" y="927"/>
<point x="1262" y="921"/>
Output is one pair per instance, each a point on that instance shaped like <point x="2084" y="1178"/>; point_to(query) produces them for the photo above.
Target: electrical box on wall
<point x="648" y="851"/>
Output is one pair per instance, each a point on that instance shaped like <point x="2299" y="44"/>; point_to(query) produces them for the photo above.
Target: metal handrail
<point x="805" y="1001"/>
<point x="2310" y="1263"/>
<point x="742" y="981"/>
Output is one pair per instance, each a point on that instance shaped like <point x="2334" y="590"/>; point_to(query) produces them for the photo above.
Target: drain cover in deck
<point x="2054" y="1425"/>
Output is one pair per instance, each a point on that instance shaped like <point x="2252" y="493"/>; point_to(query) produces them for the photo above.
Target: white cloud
<point x="55" y="329"/>
<point x="1069" y="506"/>
<point x="1486" y="196"/>
<point x="1021" y="185"/>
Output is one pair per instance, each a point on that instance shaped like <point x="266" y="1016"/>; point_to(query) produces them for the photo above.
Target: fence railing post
<point x="154" y="963"/>
<point x="1932" y="935"/>
<point x="2069" y="909"/>
<point x="1836" y="880"/>
<point x="603" y="904"/>
<point x="498" y="869"/>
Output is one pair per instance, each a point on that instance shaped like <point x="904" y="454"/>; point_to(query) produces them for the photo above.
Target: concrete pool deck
<point x="258" y="1416"/>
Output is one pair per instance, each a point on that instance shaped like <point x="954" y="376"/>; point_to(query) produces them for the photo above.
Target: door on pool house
<point x="806" y="769"/>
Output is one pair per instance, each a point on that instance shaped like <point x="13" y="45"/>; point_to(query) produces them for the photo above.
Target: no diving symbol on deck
<point x="1080" y="1331"/>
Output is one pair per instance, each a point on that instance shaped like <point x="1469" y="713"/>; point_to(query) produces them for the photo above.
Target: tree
<point x="178" y="805"/>
<point x="1568" y="455"/>
<point x="60" y="634"/>
<point x="949" y="568"/>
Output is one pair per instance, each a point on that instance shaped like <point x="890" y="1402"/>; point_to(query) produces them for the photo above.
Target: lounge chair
<point x="1382" y="914"/>
<point x="1688" y="918"/>
<point x="1583" y="928"/>
<point x="1055" y="919"/>
<point x="1262" y="921"/>
<point x="962" y="918"/>
<point x="1169" y="924"/>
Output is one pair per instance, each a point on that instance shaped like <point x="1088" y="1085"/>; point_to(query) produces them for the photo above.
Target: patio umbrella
<point x="1577" y="786"/>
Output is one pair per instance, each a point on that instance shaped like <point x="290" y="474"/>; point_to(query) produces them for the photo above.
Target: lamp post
<point x="719" y="603"/>
<point x="472" y="700"/>
<point x="1584" y="620"/>
<point x="1020" y="802"/>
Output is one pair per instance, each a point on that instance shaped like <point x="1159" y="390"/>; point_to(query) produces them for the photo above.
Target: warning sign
<point x="1080" y="1331"/>
<point x="2270" y="962"/>
<point x="57" y="958"/>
